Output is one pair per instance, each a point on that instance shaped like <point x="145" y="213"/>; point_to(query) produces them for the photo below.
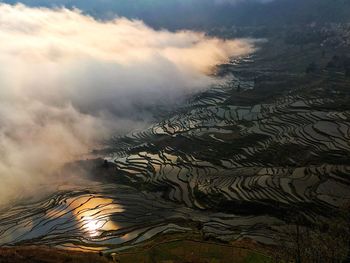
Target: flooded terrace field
<point x="213" y="170"/>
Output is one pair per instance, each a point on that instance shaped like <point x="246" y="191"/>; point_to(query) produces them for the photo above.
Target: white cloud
<point x="68" y="81"/>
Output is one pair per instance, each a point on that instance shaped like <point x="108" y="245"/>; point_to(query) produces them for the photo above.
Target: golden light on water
<point x="93" y="214"/>
<point x="93" y="226"/>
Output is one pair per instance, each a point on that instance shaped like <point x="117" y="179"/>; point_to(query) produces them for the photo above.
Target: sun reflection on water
<point x="94" y="214"/>
<point x="93" y="226"/>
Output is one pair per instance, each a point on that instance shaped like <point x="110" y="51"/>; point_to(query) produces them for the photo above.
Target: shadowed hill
<point x="207" y="13"/>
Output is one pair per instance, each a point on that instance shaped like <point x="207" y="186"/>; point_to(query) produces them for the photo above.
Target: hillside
<point x="178" y="14"/>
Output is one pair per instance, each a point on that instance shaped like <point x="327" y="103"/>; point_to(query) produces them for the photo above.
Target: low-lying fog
<point x="68" y="81"/>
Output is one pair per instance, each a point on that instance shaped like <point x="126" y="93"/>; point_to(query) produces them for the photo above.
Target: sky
<point x="69" y="81"/>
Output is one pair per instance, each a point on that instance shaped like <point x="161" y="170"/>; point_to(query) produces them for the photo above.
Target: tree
<point x="324" y="241"/>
